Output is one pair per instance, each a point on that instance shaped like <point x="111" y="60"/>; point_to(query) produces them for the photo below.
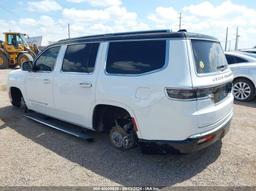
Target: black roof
<point x="139" y="35"/>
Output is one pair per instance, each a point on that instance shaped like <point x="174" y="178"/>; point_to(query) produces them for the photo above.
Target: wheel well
<point x="15" y="94"/>
<point x="237" y="78"/>
<point x="104" y="117"/>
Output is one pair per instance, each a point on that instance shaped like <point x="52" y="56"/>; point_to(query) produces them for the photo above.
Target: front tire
<point x="243" y="90"/>
<point x="19" y="102"/>
<point x="23" y="106"/>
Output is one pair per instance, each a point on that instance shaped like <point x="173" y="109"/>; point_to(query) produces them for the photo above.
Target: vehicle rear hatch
<point x="212" y="80"/>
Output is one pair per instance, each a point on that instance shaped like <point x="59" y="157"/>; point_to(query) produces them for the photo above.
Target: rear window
<point x="209" y="56"/>
<point x="136" y="57"/>
<point x="234" y="59"/>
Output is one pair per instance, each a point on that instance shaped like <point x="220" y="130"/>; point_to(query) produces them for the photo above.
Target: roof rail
<point x="121" y="34"/>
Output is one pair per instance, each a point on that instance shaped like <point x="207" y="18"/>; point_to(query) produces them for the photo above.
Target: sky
<point x="50" y="18"/>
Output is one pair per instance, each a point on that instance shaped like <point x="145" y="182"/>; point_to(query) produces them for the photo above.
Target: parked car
<point x="249" y="54"/>
<point x="249" y="50"/>
<point x="244" y="71"/>
<point x="152" y="87"/>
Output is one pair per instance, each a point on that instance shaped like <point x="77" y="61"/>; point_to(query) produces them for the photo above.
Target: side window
<point x="239" y="60"/>
<point x="47" y="60"/>
<point x="230" y="59"/>
<point x="136" y="57"/>
<point x="80" y="58"/>
<point x="10" y="39"/>
<point x="234" y="59"/>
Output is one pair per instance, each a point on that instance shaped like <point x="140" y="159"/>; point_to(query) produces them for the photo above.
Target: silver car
<point x="244" y="71"/>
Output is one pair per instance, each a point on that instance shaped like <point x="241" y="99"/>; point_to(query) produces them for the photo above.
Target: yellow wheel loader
<point x="14" y="50"/>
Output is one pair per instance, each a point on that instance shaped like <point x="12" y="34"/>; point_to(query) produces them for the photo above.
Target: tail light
<point x="190" y="94"/>
<point x="215" y="93"/>
<point x="205" y="139"/>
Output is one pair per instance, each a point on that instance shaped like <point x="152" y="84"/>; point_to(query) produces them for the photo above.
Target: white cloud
<point x="43" y="6"/>
<point x="96" y="21"/>
<point x="112" y="16"/>
<point x="211" y="19"/>
<point x="27" y="22"/>
<point x="76" y="15"/>
<point x="100" y="3"/>
<point x="82" y="22"/>
<point x="50" y="30"/>
<point x="164" y="17"/>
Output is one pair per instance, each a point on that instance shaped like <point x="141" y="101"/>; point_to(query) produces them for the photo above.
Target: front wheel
<point x="243" y="90"/>
<point x="19" y="102"/>
<point x="23" y="105"/>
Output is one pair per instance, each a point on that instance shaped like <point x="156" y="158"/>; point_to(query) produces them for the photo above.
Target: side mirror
<point x="27" y="66"/>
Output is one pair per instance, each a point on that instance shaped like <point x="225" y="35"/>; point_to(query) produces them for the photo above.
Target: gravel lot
<point x="34" y="155"/>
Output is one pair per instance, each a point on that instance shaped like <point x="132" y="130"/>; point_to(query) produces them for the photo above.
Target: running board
<point x="60" y="125"/>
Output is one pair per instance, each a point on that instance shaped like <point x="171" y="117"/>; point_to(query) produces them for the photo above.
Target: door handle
<point x="46" y="81"/>
<point x="85" y="85"/>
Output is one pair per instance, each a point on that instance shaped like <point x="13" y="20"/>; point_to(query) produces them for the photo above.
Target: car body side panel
<point x="157" y="116"/>
<point x="16" y="79"/>
<point x="244" y="71"/>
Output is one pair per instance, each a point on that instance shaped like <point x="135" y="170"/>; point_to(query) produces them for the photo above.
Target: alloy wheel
<point x="241" y="90"/>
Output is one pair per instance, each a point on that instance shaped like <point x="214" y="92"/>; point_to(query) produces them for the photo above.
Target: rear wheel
<point x="3" y="61"/>
<point x="243" y="90"/>
<point x="122" y="135"/>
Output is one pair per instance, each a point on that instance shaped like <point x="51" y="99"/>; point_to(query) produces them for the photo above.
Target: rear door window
<point x="209" y="56"/>
<point x="80" y="58"/>
<point x="136" y="57"/>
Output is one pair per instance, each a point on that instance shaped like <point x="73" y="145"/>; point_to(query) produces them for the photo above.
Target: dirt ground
<point x="34" y="155"/>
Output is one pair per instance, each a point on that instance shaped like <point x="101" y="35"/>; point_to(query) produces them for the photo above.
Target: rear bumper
<point x="195" y="142"/>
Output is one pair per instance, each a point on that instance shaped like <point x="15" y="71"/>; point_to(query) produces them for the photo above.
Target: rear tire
<point x="243" y="89"/>
<point x="121" y="138"/>
<point x="3" y="61"/>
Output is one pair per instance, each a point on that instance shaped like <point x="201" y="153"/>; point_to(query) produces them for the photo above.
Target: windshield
<point x="23" y="39"/>
<point x="209" y="56"/>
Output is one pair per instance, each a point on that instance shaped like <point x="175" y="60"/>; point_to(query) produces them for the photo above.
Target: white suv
<point x="152" y="87"/>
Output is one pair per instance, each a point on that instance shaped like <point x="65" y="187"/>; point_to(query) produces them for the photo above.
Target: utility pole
<point x="180" y="17"/>
<point x="237" y="37"/>
<point x="68" y="30"/>
<point x="226" y="41"/>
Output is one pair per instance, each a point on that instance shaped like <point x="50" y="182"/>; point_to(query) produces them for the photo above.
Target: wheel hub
<point x="117" y="139"/>
<point x="241" y="90"/>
